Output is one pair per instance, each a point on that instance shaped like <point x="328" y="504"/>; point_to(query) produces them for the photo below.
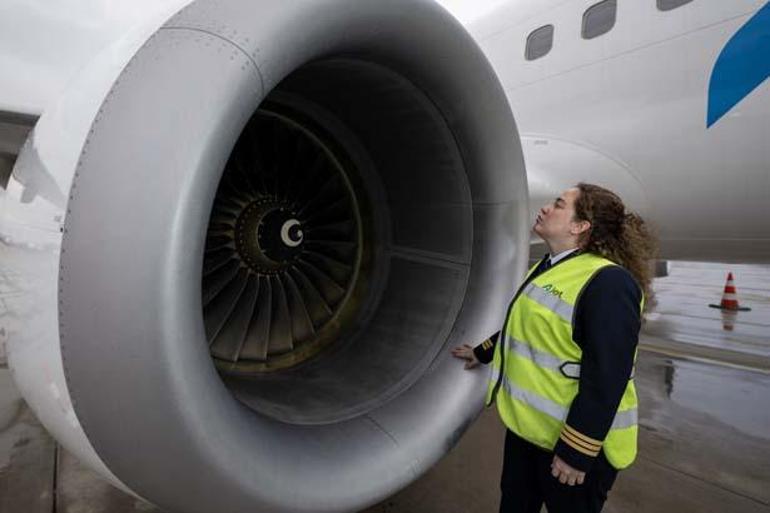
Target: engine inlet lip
<point x="132" y="337"/>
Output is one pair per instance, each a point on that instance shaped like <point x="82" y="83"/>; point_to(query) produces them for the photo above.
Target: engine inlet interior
<point x="284" y="248"/>
<point x="337" y="244"/>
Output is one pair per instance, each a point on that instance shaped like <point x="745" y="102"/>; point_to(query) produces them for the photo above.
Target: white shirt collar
<point x="556" y="258"/>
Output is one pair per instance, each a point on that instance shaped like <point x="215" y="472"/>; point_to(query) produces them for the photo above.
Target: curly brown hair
<point x="617" y="234"/>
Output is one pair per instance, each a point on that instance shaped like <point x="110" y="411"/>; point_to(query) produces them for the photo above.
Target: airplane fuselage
<point x="630" y="108"/>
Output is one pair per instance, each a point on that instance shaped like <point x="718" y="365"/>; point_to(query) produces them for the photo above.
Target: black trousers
<point x="527" y="482"/>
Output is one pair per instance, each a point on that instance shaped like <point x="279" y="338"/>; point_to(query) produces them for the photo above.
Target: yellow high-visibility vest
<point x="541" y="365"/>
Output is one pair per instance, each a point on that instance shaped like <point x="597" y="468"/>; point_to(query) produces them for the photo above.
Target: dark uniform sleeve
<point x="607" y="322"/>
<point x="486" y="350"/>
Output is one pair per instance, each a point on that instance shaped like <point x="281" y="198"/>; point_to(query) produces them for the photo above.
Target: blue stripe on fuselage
<point x="741" y="67"/>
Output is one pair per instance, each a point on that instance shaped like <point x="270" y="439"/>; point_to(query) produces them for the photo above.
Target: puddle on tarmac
<point x="736" y="397"/>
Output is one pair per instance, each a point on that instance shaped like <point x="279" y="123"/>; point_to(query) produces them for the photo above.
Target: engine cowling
<point x="276" y="223"/>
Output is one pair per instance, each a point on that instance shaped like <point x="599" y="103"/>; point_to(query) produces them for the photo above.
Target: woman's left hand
<point x="566" y="474"/>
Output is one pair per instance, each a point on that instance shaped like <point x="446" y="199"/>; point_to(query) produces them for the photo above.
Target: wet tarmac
<point x="682" y="315"/>
<point x="704" y="422"/>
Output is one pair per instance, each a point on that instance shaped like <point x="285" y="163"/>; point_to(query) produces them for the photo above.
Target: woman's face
<point x="556" y="222"/>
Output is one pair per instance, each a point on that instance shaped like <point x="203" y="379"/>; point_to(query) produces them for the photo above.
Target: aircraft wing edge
<point x="14" y="130"/>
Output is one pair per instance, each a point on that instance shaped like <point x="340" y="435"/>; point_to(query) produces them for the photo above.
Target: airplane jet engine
<point x="275" y="220"/>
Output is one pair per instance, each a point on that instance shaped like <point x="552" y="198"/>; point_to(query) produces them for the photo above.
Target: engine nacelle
<point x="276" y="219"/>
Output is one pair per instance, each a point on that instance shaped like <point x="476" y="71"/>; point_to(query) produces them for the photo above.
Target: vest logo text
<point x="553" y="290"/>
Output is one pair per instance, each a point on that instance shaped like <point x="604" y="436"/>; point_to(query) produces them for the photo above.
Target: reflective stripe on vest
<point x="623" y="419"/>
<point x="543" y="359"/>
<point x="551" y="302"/>
<point x="546" y="360"/>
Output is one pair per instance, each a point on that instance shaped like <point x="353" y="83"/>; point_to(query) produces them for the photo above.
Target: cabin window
<point x="599" y="19"/>
<point x="667" y="5"/>
<point x="539" y="42"/>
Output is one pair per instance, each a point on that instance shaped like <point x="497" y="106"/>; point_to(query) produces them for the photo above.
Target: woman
<point x="563" y="364"/>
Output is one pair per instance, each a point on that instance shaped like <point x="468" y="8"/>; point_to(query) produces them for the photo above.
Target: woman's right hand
<point x="465" y="352"/>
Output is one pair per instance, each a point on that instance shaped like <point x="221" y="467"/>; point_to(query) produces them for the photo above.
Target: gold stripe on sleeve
<point x="580" y="436"/>
<point x="577" y="445"/>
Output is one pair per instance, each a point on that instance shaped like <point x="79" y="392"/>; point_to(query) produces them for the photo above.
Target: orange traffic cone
<point x="730" y="297"/>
